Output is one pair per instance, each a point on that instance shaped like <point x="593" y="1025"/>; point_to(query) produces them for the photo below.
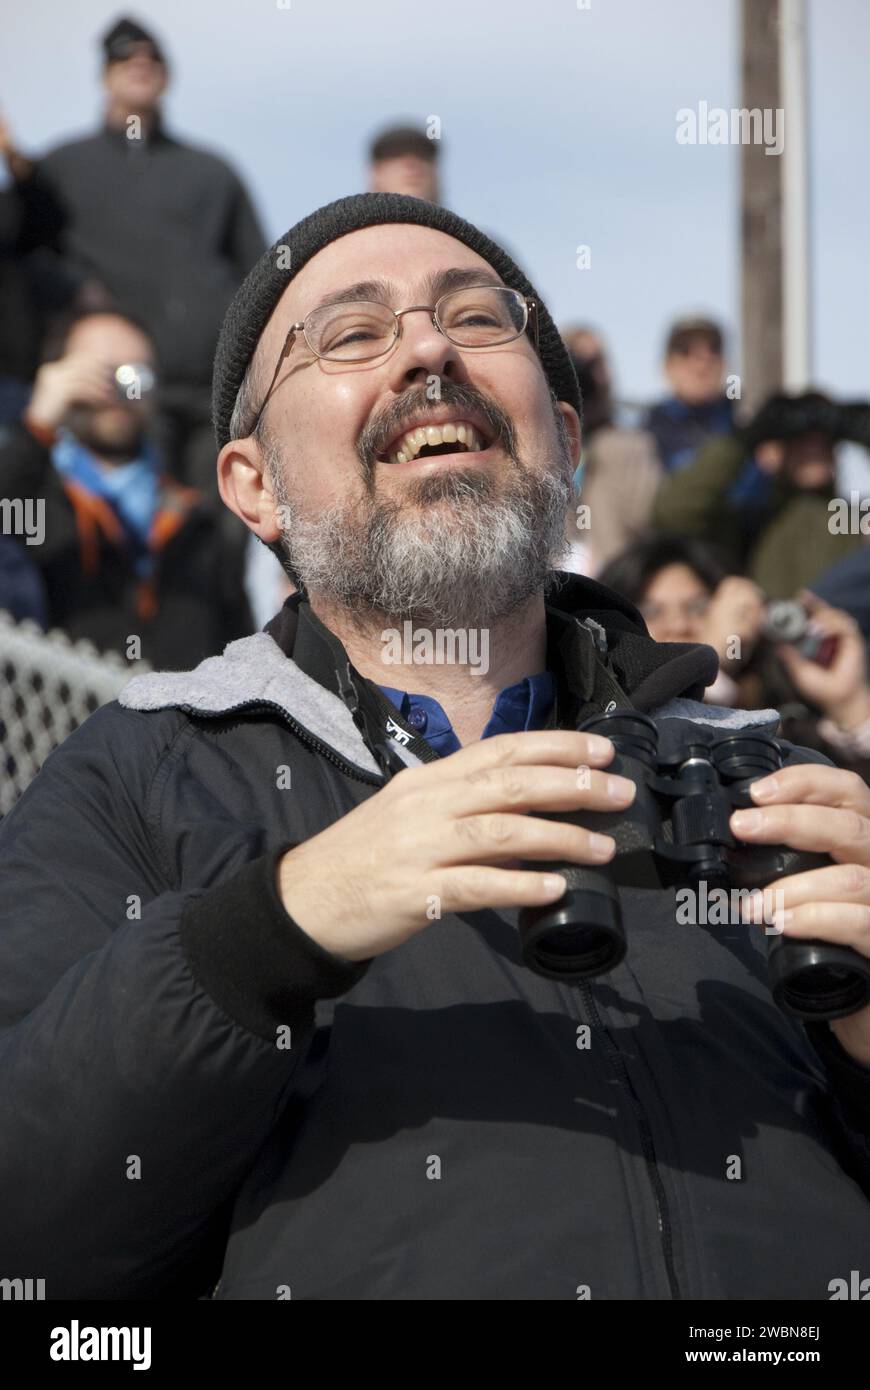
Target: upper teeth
<point x="409" y="445"/>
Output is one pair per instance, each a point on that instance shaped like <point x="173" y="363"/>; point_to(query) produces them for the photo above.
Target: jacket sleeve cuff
<point x="254" y="960"/>
<point x="850" y="1080"/>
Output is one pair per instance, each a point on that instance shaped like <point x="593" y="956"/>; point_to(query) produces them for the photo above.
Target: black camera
<point x="676" y="834"/>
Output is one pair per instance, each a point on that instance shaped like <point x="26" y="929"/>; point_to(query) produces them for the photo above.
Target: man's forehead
<point x="401" y="258"/>
<point x="99" y="331"/>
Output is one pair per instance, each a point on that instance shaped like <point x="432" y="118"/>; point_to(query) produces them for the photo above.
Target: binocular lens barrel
<point x="582" y="935"/>
<point x="578" y="937"/>
<point x="815" y="980"/>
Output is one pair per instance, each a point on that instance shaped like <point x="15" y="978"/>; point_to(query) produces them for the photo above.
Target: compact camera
<point x="786" y="620"/>
<point x="133" y="380"/>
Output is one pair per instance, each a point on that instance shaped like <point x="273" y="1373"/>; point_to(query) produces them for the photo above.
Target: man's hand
<point x="826" y="810"/>
<point x="78" y="379"/>
<point x="449" y="831"/>
<point x="841" y="689"/>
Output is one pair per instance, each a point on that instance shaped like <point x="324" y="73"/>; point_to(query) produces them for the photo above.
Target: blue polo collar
<point x="525" y="705"/>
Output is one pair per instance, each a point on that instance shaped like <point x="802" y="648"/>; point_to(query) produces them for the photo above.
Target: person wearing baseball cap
<point x="338" y="1074"/>
<point x="146" y="221"/>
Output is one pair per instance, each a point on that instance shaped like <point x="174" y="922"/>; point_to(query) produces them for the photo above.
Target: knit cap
<point x="258" y="294"/>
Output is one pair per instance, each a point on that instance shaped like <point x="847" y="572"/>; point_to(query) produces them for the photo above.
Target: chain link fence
<point x="48" y="686"/>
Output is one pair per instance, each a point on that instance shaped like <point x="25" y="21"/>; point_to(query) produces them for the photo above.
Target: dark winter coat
<point x="168" y="229"/>
<point x="433" y="1130"/>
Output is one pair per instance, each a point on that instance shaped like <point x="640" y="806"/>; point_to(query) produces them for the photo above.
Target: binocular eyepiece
<point x="676" y="834"/>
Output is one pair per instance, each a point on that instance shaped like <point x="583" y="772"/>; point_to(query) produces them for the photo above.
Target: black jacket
<point x="189" y="608"/>
<point x="168" y="229"/>
<point x="433" y="1130"/>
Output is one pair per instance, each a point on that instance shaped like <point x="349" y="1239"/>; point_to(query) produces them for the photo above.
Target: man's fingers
<point x="843" y="924"/>
<point x="533" y="788"/>
<point x="815" y="785"/>
<point x="843" y="834"/>
<point x="493" y="838"/>
<point x="474" y="888"/>
<point x="550" y="747"/>
<point x="554" y="747"/>
<point x="836" y="883"/>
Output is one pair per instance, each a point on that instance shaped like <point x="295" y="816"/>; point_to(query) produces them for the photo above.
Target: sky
<point x="557" y="131"/>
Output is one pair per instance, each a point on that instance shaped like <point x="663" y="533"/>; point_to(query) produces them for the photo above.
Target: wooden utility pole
<point x="761" y="223"/>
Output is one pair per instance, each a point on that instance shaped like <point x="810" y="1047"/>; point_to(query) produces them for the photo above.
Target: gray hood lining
<point x="720" y="716"/>
<point x="254" y="670"/>
<point x="251" y="671"/>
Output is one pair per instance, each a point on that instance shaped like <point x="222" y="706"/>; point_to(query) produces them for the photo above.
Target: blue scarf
<point x="132" y="489"/>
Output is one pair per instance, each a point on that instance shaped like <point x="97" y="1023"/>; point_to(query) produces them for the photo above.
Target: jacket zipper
<point x="301" y="733"/>
<point x="659" y="1195"/>
<point x="649" y="1153"/>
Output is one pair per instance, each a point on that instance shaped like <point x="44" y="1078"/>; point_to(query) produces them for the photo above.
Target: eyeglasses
<point x="691" y="608"/>
<point x="478" y="316"/>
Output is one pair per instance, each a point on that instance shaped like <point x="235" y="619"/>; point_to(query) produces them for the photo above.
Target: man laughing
<point x="259" y="936"/>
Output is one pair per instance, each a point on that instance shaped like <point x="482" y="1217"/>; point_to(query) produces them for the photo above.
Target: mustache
<point x="378" y="432"/>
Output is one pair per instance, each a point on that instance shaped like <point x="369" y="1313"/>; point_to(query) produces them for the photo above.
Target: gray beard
<point x="469" y="560"/>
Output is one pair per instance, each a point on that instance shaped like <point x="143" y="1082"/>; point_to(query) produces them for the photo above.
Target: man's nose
<point x="423" y="351"/>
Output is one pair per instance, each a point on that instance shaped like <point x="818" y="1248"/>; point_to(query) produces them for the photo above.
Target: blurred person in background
<point x="685" y="593"/>
<point x="619" y="474"/>
<point x="166" y="229"/>
<point x="32" y="287"/>
<point x="402" y="159"/>
<point x="126" y="551"/>
<point x="697" y="407"/>
<point x="786" y="540"/>
<point x="847" y="585"/>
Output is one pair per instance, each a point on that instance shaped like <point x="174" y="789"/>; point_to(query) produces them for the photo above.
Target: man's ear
<point x="572" y="424"/>
<point x="244" y="486"/>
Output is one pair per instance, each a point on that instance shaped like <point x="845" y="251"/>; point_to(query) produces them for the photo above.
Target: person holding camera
<point x="123" y="551"/>
<point x="786" y="537"/>
<point x="801" y="656"/>
<point x="268" y="1030"/>
<point x="620" y="471"/>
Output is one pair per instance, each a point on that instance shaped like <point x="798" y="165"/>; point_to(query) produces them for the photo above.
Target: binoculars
<point x="676" y="834"/>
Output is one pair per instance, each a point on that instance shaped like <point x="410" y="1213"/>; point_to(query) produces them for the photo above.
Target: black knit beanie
<point x="257" y="296"/>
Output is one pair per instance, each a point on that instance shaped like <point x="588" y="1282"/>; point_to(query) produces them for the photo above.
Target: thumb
<point x="811" y="602"/>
